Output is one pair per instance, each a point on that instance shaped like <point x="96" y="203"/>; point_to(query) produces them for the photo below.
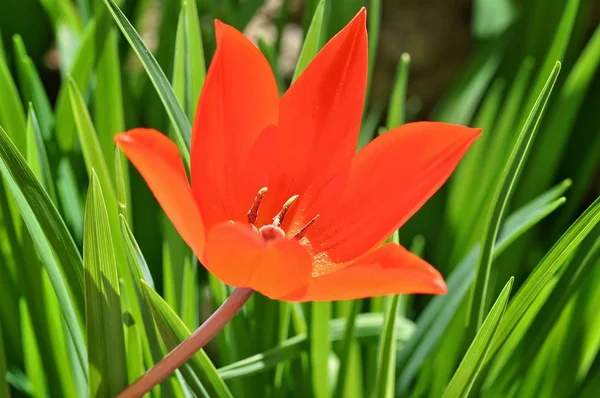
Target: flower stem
<point x="187" y="348"/>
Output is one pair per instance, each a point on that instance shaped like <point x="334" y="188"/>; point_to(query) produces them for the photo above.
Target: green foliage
<point x="87" y="325"/>
<point x="105" y="342"/>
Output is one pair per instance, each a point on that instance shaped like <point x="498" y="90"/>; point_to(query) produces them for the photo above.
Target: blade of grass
<point x="462" y="381"/>
<point x="525" y="344"/>
<point x="540" y="279"/>
<point x="386" y="356"/>
<point x="557" y="51"/>
<point x="41" y="303"/>
<point x="108" y="110"/>
<point x="106" y="345"/>
<point x="12" y="114"/>
<point x="70" y="198"/>
<point x="51" y="239"/>
<point x="270" y="54"/>
<point x="320" y="347"/>
<point x="33" y="88"/>
<point x="373" y="25"/>
<point x="497" y="154"/>
<point x="33" y="359"/>
<point x="368" y="327"/>
<point x="140" y="272"/>
<point x="461" y="101"/>
<point x="347" y="343"/>
<point x="467" y="175"/>
<point x="4" y="388"/>
<point x="396" y="113"/>
<point x="313" y="41"/>
<point x="173" y="331"/>
<point x="122" y="183"/>
<point x="189" y="69"/>
<point x="37" y="153"/>
<point x="552" y="262"/>
<point x="552" y="144"/>
<point x="94" y="159"/>
<point x="434" y="320"/>
<point x="165" y="91"/>
<point x="80" y="73"/>
<point x="504" y="189"/>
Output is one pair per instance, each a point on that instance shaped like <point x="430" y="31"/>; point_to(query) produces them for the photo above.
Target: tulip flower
<point x="280" y="201"/>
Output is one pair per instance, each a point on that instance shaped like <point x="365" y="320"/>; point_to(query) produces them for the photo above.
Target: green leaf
<point x="386" y="355"/>
<point x="140" y="272"/>
<point x="547" y="313"/>
<point x="396" y="114"/>
<point x="12" y="114"/>
<point x="94" y="159"/>
<point x="109" y="115"/>
<point x="51" y="239"/>
<point x="62" y="12"/>
<point x="461" y="101"/>
<point x="504" y="189"/>
<point x="270" y="54"/>
<point x="552" y="143"/>
<point x="165" y="91"/>
<point x="173" y="331"/>
<point x="33" y="88"/>
<point x="467" y="177"/>
<point x="36" y="154"/>
<point x="368" y="328"/>
<point x="320" y="347"/>
<point x="556" y="51"/>
<point x="33" y="359"/>
<point x="541" y="276"/>
<point x="79" y="73"/>
<point x="490" y="167"/>
<point x="90" y="145"/>
<point x="347" y="344"/>
<point x="434" y="320"/>
<point x="70" y="197"/>
<point x="313" y="41"/>
<point x="462" y="381"/>
<point x="122" y="183"/>
<point x="106" y="345"/>
<point x="42" y="306"/>
<point x="373" y="25"/>
<point x="189" y="69"/>
<point x="4" y="389"/>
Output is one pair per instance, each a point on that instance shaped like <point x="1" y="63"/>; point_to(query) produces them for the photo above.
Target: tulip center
<point x="274" y="231"/>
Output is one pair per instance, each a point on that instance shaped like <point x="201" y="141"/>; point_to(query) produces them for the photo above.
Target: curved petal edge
<point x="391" y="269"/>
<point x="158" y="160"/>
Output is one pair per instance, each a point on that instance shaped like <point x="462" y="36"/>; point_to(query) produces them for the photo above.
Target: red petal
<point x="158" y="161"/>
<point x="390" y="179"/>
<point x="239" y="256"/>
<point x="391" y="269"/>
<point x="320" y="115"/>
<point x="239" y="99"/>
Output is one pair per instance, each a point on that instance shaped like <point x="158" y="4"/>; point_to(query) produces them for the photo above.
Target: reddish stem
<point x="187" y="348"/>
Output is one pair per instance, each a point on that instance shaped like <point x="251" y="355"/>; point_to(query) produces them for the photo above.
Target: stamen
<point x="253" y="212"/>
<point x="278" y="219"/>
<point x="303" y="230"/>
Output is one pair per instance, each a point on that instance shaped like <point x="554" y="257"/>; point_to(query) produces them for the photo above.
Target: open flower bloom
<point x="280" y="201"/>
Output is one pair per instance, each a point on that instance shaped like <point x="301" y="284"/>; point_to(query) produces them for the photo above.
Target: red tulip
<point x="280" y="201"/>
